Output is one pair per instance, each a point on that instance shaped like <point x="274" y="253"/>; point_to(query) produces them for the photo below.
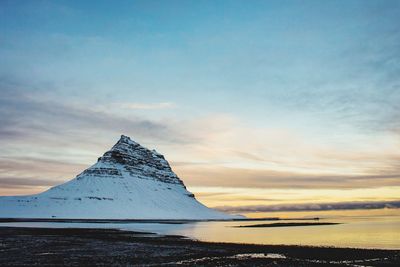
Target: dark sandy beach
<point x="105" y="247"/>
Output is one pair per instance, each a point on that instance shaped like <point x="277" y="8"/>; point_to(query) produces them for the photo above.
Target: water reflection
<point x="362" y="231"/>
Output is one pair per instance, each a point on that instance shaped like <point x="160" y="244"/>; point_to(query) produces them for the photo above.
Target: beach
<point x="105" y="247"/>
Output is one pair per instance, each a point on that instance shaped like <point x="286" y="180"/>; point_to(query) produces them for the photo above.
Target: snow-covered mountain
<point x="127" y="182"/>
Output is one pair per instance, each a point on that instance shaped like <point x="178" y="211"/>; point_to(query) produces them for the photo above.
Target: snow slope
<point x="128" y="182"/>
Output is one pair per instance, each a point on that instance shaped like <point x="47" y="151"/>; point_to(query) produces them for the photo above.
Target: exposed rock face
<point x="135" y="159"/>
<point x="127" y="182"/>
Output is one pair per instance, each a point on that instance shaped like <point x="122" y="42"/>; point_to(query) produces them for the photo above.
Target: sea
<point x="378" y="229"/>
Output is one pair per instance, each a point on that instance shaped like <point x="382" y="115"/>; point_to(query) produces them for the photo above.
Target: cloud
<point x="26" y="116"/>
<point x="57" y="139"/>
<point x="255" y="178"/>
<point x="33" y="175"/>
<point x="35" y="166"/>
<point x="161" y="105"/>
<point x="312" y="207"/>
<point x="224" y="152"/>
<point x="13" y="182"/>
<point x="356" y="84"/>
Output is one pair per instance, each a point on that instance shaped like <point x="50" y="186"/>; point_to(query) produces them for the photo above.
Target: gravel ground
<point x="105" y="247"/>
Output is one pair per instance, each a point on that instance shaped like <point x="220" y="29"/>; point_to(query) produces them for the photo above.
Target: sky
<point x="257" y="105"/>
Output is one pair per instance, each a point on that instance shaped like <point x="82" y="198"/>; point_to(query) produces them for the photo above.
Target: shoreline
<point x="83" y="220"/>
<point x="91" y="246"/>
<point x="5" y="220"/>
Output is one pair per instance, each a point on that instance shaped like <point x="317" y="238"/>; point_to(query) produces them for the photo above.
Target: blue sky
<point x="306" y="90"/>
<point x="223" y="56"/>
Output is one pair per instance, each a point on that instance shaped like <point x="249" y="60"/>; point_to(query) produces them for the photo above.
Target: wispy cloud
<point x="161" y="105"/>
<point x="13" y="182"/>
<point x="313" y="207"/>
<point x="44" y="141"/>
<point x="223" y="151"/>
<point x="26" y="116"/>
<point x="199" y="175"/>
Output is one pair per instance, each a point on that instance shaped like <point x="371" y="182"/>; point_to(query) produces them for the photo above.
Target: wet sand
<point x="105" y="247"/>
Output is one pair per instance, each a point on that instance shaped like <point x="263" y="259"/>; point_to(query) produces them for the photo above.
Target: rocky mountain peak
<point x="129" y="156"/>
<point x="125" y="144"/>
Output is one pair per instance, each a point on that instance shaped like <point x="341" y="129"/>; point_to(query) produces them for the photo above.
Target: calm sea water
<point x="361" y="231"/>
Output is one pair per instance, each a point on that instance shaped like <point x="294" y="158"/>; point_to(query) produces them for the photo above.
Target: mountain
<point x="127" y="182"/>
